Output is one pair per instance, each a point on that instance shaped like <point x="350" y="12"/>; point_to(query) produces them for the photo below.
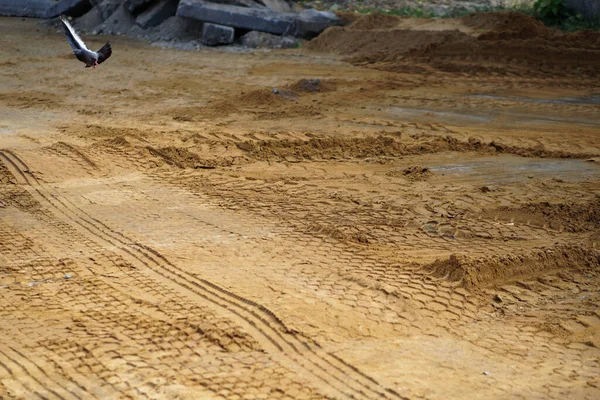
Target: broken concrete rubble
<point x="241" y="3"/>
<point x="278" y="5"/>
<point x="214" y="35"/>
<point x="157" y="13"/>
<point x="312" y="22"/>
<point x="252" y="23"/>
<point x="263" y="20"/>
<point x="258" y="40"/>
<point x="137" y="6"/>
<point x="90" y="21"/>
<point x="106" y="8"/>
<point x="119" y="23"/>
<point x="175" y="29"/>
<point x="306" y="25"/>
<point x="25" y="8"/>
<point x="72" y="8"/>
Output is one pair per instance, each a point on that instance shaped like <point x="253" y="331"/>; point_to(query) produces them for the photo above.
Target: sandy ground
<point x="170" y="228"/>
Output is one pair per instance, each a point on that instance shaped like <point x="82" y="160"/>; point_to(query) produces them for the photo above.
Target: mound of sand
<point x="504" y="26"/>
<point x="498" y="42"/>
<point x="259" y="98"/>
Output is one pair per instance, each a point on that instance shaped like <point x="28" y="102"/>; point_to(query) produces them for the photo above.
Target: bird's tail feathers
<point x="104" y="53"/>
<point x="105" y="49"/>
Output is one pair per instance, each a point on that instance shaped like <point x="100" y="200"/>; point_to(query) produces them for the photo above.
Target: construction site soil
<point x="402" y="208"/>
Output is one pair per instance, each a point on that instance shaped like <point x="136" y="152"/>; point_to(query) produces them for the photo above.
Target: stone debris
<point x="249" y="23"/>
<point x="25" y="8"/>
<point x="72" y="8"/>
<point x="306" y="24"/>
<point x="137" y="6"/>
<point x="157" y="13"/>
<point x="106" y="8"/>
<point x="214" y="35"/>
<point x="258" y="19"/>
<point x="263" y="40"/>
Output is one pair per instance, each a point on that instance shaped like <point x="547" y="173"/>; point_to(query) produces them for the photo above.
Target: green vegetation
<point x="555" y="13"/>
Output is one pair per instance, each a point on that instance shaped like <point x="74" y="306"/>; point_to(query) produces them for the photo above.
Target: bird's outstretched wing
<point x="104" y="53"/>
<point x="74" y="40"/>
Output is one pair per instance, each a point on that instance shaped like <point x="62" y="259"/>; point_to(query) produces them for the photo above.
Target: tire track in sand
<point x="326" y="370"/>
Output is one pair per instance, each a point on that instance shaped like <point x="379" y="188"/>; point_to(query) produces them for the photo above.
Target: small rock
<point x="263" y="40"/>
<point x="486" y="373"/>
<point x="68" y="276"/>
<point x="213" y="34"/>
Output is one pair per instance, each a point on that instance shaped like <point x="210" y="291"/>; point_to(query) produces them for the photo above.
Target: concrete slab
<point x="137" y="6"/>
<point x="214" y="35"/>
<point x="24" y="8"/>
<point x="305" y="24"/>
<point x="312" y="22"/>
<point x="263" y="20"/>
<point x="72" y="8"/>
<point x="157" y="13"/>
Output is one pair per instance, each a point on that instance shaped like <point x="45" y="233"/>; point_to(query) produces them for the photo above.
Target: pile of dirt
<point x="497" y="270"/>
<point x="362" y="46"/>
<point x="218" y="109"/>
<point x="259" y="98"/>
<point x="510" y="43"/>
<point x="506" y="26"/>
<point x="327" y="148"/>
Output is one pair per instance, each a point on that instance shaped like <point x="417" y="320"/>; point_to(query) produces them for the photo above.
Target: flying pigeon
<point x="80" y="50"/>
